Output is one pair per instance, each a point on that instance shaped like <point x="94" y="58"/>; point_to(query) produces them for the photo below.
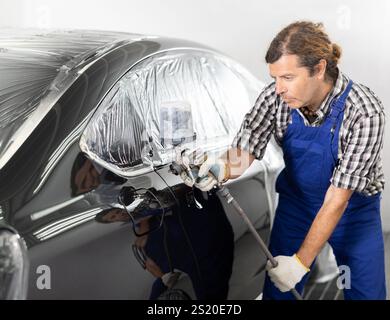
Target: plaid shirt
<point x="360" y="139"/>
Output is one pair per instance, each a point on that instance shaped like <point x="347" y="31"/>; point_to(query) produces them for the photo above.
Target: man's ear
<point x="320" y="69"/>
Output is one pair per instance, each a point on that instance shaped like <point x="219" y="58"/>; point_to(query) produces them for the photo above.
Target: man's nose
<point x="280" y="88"/>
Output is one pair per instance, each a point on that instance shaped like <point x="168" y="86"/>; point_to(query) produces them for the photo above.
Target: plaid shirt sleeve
<point x="363" y="148"/>
<point x="258" y="124"/>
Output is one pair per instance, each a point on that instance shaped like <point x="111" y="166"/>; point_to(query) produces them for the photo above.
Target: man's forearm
<point x="324" y="224"/>
<point x="237" y="161"/>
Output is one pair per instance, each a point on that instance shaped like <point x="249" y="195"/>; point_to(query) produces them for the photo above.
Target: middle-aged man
<point x="331" y="132"/>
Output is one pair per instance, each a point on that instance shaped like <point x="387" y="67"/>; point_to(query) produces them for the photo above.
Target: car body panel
<point x="53" y="194"/>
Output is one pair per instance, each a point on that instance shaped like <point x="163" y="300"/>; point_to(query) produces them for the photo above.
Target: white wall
<point x="242" y="29"/>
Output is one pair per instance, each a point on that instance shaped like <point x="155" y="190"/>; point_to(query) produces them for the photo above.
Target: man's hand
<point x="189" y="162"/>
<point x="287" y="273"/>
<point x="189" y="179"/>
<point x="211" y="172"/>
<point x="229" y="165"/>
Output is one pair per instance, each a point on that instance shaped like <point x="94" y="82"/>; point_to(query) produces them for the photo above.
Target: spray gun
<point x="188" y="162"/>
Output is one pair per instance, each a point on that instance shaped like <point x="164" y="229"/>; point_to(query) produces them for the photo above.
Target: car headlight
<point x="13" y="266"/>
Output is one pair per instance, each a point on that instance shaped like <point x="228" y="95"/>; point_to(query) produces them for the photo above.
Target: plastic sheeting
<point x="32" y="63"/>
<point x="180" y="97"/>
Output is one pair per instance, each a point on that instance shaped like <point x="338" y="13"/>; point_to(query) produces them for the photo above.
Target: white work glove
<point x="211" y="172"/>
<point x="188" y="179"/>
<point x="289" y="272"/>
<point x="190" y="160"/>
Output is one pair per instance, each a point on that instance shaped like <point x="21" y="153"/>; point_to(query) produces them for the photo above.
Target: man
<point x="331" y="132"/>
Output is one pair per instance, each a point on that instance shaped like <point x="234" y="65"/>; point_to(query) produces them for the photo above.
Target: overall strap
<point x="338" y="104"/>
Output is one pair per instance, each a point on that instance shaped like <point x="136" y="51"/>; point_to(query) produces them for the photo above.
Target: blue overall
<point x="310" y="155"/>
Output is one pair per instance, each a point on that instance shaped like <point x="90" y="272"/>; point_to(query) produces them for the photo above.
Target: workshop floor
<point x="329" y="290"/>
